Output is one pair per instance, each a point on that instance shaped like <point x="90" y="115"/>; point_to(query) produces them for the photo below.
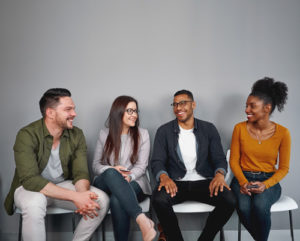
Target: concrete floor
<point x="275" y="235"/>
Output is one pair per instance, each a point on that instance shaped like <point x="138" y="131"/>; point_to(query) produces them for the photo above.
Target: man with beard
<point x="51" y="170"/>
<point x="189" y="164"/>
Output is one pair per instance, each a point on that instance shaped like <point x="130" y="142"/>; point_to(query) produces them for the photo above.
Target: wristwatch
<point x="221" y="172"/>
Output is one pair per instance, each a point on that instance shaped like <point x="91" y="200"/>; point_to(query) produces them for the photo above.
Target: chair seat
<point x="192" y="207"/>
<point x="145" y="205"/>
<point x="51" y="210"/>
<point x="285" y="203"/>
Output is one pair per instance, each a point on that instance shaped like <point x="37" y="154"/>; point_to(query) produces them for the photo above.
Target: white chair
<point x="195" y="207"/>
<point x="50" y="211"/>
<point x="198" y="207"/>
<point x="285" y="203"/>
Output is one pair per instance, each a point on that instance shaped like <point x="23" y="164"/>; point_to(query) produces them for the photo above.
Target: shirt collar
<point x="47" y="133"/>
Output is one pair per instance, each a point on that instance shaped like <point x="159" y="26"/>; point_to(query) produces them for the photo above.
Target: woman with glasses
<point x="260" y="156"/>
<point x="120" y="162"/>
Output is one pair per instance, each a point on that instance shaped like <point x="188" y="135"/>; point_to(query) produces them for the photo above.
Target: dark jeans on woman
<point x="224" y="203"/>
<point x="255" y="210"/>
<point x="124" y="200"/>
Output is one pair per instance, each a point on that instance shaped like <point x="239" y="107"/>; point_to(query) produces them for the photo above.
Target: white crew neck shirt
<point x="187" y="145"/>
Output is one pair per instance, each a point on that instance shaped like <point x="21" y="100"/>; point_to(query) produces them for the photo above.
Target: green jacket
<point x="32" y="151"/>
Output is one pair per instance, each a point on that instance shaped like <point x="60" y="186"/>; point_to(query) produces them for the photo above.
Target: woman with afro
<point x="260" y="156"/>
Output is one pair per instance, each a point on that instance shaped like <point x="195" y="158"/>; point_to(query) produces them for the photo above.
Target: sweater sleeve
<point x="159" y="154"/>
<point x="235" y="156"/>
<point x="284" y="160"/>
<point x="140" y="166"/>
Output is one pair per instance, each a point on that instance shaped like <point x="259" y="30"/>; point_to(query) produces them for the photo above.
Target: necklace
<point x="263" y="135"/>
<point x="257" y="137"/>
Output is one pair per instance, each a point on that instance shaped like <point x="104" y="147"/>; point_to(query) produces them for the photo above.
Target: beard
<point x="183" y="120"/>
<point x="65" y="123"/>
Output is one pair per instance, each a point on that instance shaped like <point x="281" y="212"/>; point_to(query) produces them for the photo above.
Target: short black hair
<point x="51" y="98"/>
<point x="185" y="92"/>
<point x="271" y="92"/>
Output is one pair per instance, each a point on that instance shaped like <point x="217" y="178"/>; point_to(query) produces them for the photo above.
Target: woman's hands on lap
<point x="125" y="174"/>
<point x="244" y="189"/>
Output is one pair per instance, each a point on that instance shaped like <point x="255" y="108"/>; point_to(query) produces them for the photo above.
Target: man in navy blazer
<point x="189" y="164"/>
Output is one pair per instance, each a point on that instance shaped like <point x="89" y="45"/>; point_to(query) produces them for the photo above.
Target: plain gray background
<point x="147" y="49"/>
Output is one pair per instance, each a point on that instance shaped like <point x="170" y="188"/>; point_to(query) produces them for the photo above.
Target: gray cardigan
<point x="138" y="170"/>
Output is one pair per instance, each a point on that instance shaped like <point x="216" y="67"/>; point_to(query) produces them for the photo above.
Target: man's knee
<point x="160" y="198"/>
<point x="36" y="207"/>
<point x="103" y="198"/>
<point x="229" y="199"/>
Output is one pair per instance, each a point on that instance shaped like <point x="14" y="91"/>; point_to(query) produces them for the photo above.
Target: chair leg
<point x="20" y="228"/>
<point x="103" y="230"/>
<point x="150" y="211"/>
<point x="73" y="222"/>
<point x="291" y="225"/>
<point x="222" y="236"/>
<point x="239" y="229"/>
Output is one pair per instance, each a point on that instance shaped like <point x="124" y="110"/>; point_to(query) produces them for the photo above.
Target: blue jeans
<point x="255" y="210"/>
<point x="124" y="200"/>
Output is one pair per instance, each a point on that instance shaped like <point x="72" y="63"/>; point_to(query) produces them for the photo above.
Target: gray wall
<point x="147" y="49"/>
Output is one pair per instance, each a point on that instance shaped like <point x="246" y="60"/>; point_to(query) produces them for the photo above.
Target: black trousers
<point x="224" y="203"/>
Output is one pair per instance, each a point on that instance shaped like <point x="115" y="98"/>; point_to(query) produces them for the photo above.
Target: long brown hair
<point x="114" y="123"/>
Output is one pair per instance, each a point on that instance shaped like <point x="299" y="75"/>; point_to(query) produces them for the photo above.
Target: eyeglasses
<point x="131" y="111"/>
<point x="181" y="103"/>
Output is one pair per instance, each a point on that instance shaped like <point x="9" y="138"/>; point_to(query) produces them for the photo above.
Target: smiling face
<point x="130" y="116"/>
<point x="184" y="109"/>
<point x="256" y="109"/>
<point x="64" y="113"/>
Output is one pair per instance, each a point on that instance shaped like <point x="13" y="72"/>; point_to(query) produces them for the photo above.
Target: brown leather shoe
<point x="162" y="236"/>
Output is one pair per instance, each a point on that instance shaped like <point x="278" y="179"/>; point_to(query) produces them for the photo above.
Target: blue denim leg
<point x="243" y="206"/>
<point x="123" y="200"/>
<point x="254" y="210"/>
<point x="120" y="218"/>
<point x="261" y="206"/>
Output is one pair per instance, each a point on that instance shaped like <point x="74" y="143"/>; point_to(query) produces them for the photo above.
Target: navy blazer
<point x="166" y="157"/>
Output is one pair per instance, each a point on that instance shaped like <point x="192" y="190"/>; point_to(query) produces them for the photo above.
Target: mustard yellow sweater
<point x="246" y="154"/>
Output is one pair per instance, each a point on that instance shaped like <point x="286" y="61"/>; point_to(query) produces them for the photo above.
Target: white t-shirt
<point x="187" y="145"/>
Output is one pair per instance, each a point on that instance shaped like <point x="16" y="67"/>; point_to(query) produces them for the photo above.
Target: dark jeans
<point x="224" y="204"/>
<point x="254" y="210"/>
<point x="124" y="200"/>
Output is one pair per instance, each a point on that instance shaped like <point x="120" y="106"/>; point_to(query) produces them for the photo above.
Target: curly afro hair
<point x="271" y="92"/>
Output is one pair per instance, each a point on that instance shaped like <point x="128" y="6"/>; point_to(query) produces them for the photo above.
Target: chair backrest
<point x="229" y="174"/>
